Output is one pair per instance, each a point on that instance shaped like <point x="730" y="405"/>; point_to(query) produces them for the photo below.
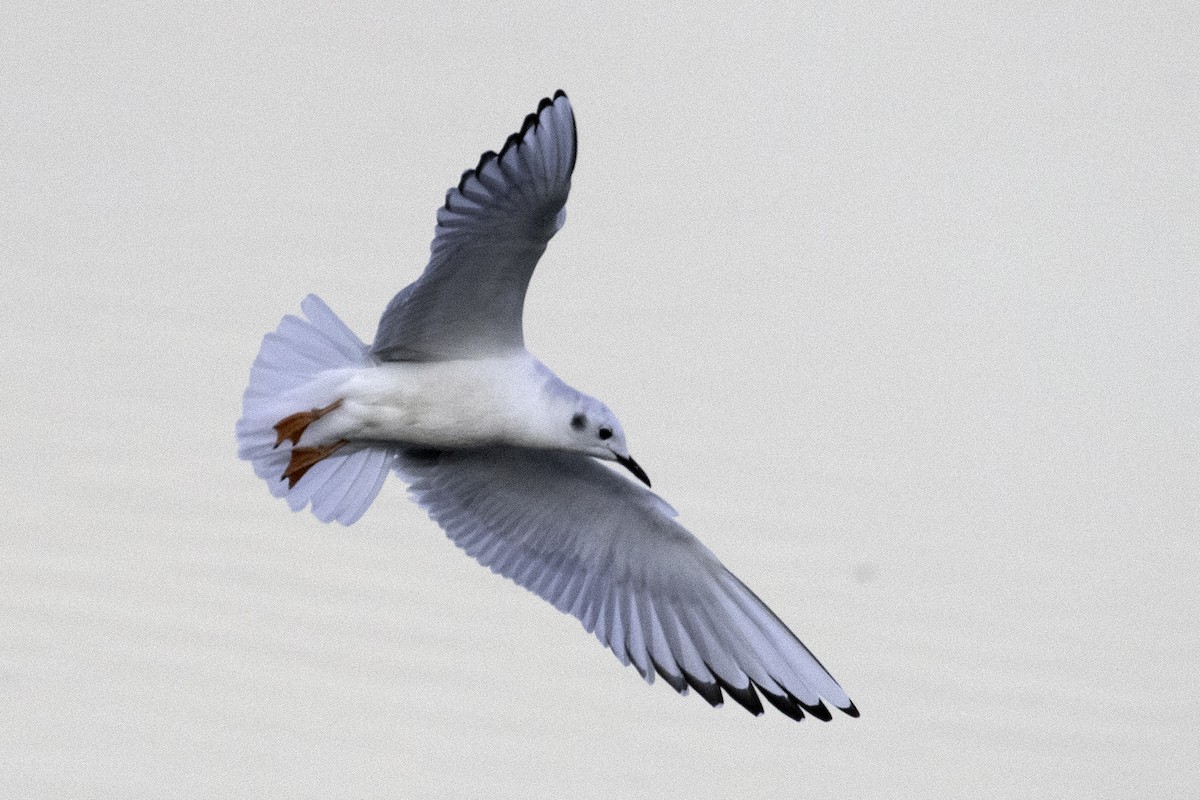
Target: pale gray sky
<point x="897" y="303"/>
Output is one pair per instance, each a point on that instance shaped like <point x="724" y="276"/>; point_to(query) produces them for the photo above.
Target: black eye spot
<point x="606" y="433"/>
<point x="579" y="422"/>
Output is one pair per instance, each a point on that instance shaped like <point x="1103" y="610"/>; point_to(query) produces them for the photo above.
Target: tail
<point x="290" y="375"/>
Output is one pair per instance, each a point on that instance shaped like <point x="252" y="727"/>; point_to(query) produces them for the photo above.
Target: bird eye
<point x="579" y="422"/>
<point x="606" y="433"/>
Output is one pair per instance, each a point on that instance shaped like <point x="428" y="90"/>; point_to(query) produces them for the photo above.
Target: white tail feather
<point x="296" y="369"/>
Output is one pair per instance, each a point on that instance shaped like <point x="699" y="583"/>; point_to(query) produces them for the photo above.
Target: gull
<point x="504" y="455"/>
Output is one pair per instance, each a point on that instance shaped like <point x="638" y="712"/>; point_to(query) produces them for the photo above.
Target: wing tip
<point x="534" y="120"/>
<point x="676" y="682"/>
<point x="819" y="711"/>
<point x="711" y="692"/>
<point x="514" y="140"/>
<point x="553" y="99"/>
<point x="462" y="184"/>
<point x="531" y="121"/>
<point x="746" y="697"/>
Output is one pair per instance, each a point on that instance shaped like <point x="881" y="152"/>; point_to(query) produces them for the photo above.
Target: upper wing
<point x="610" y="552"/>
<point x="490" y="233"/>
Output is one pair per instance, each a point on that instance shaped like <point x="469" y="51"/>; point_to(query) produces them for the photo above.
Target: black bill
<point x="631" y="465"/>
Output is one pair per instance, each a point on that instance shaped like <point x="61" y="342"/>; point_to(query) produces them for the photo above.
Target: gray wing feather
<point x="491" y="232"/>
<point x="610" y="552"/>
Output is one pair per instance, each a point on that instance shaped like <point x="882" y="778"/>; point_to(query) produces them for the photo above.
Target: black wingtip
<point x="676" y="682"/>
<point x="850" y="710"/>
<point x="513" y="140"/>
<point x="471" y="173"/>
<point x="783" y="704"/>
<point x="746" y="697"/>
<point x="489" y="155"/>
<point x="462" y="183"/>
<point x="711" y="692"/>
<point x="574" y="139"/>
<point x="545" y="103"/>
<point x="819" y="711"/>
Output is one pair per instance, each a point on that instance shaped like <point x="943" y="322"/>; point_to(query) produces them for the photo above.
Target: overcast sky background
<point x="897" y="304"/>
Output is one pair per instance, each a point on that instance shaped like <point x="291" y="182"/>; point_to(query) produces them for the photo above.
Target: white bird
<point x="504" y="455"/>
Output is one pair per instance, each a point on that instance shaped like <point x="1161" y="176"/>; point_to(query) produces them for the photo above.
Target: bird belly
<point x="449" y="404"/>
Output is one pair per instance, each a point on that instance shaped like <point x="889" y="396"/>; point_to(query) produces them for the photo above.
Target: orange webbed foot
<point x="293" y="426"/>
<point x="304" y="458"/>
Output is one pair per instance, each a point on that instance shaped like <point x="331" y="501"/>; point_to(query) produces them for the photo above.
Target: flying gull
<point x="504" y="455"/>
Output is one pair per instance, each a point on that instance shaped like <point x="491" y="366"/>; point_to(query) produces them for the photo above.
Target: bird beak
<point x="631" y="465"/>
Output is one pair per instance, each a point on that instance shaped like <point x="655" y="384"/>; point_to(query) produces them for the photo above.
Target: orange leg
<point x="303" y="459"/>
<point x="293" y="426"/>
